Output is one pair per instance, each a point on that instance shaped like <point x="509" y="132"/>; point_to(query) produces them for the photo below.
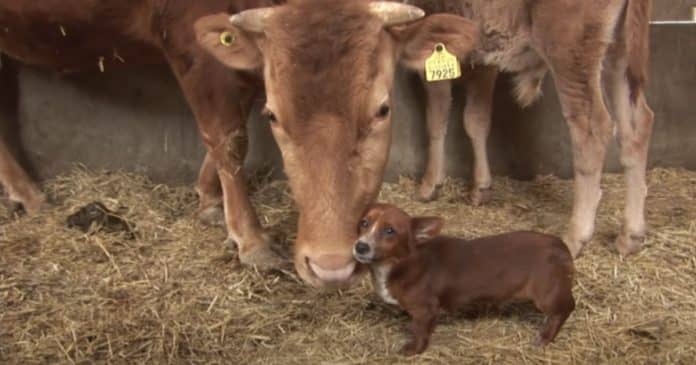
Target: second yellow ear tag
<point x="442" y="65"/>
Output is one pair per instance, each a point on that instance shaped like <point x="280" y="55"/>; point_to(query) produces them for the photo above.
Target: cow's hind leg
<point x="210" y="209"/>
<point x="17" y="184"/>
<point x="477" y="123"/>
<point x="577" y="75"/>
<point x="634" y="119"/>
<point x="439" y="95"/>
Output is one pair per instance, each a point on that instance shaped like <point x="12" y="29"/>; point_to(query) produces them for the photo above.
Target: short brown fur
<point x="597" y="54"/>
<point x="426" y="272"/>
<point x="89" y="35"/>
<point x="328" y="72"/>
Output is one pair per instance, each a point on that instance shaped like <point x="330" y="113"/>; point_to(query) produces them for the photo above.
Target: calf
<point x="597" y="54"/>
<point x="422" y="272"/>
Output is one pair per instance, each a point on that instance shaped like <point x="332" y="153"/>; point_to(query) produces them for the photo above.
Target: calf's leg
<point x="477" y="123"/>
<point x="634" y="120"/>
<point x="439" y="95"/>
<point x="575" y="65"/>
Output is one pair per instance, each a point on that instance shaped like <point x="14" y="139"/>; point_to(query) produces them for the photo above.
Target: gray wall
<point x="137" y="120"/>
<point x="672" y="9"/>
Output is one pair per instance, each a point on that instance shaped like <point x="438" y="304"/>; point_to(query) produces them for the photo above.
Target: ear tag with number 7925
<point x="442" y="65"/>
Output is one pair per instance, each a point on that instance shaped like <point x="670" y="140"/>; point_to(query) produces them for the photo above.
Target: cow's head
<point x="328" y="68"/>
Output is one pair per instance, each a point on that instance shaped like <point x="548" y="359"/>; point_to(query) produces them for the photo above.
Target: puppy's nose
<point x="362" y="248"/>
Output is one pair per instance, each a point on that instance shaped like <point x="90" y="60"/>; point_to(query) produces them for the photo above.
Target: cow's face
<point x="328" y="68"/>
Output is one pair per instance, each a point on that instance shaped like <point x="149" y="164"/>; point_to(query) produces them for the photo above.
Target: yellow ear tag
<point x="226" y="38"/>
<point x="442" y="65"/>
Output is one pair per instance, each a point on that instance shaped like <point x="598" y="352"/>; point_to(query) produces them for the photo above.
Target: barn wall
<point x="137" y="120"/>
<point x="673" y="9"/>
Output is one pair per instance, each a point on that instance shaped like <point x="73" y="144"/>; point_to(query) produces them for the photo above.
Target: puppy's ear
<point x="426" y="228"/>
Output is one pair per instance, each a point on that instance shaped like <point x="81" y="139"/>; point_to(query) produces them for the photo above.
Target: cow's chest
<point x="506" y="39"/>
<point x="380" y="274"/>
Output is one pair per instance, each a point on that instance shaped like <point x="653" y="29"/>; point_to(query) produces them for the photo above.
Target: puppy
<point x="423" y="273"/>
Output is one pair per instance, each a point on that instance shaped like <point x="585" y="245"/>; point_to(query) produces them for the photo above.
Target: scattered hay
<point x="177" y="295"/>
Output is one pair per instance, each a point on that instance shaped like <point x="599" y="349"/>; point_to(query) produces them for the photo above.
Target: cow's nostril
<point x="362" y="248"/>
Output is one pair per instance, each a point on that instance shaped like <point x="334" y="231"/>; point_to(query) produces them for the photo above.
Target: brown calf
<point x="423" y="273"/>
<point x="596" y="51"/>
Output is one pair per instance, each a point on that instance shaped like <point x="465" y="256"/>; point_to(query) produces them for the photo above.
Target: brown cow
<point x="594" y="49"/>
<point x="328" y="71"/>
<point x="83" y="35"/>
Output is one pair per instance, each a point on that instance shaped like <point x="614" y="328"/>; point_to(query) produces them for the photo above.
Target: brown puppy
<point x="422" y="272"/>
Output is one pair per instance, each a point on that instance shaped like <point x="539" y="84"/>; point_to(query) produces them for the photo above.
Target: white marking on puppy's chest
<point x="380" y="274"/>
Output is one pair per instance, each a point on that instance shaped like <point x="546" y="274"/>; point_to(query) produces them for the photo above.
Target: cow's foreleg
<point x="221" y="101"/>
<point x="243" y="227"/>
<point x="17" y="184"/>
<point x="477" y="123"/>
<point x="210" y="208"/>
<point x="439" y="95"/>
<point x="634" y="119"/>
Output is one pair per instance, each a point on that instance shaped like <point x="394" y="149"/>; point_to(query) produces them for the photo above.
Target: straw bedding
<point x="176" y="294"/>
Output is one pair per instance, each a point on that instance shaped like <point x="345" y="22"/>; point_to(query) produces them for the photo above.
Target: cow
<point x="597" y="53"/>
<point x="86" y="35"/>
<point x="327" y="68"/>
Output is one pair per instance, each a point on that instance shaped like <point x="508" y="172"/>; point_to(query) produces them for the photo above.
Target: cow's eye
<point x="383" y="111"/>
<point x="270" y="117"/>
<point x="389" y="231"/>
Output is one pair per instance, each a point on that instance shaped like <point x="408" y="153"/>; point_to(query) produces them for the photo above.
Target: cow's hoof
<point x="575" y="246"/>
<point x="427" y="192"/>
<point x="480" y="196"/>
<point x="629" y="244"/>
<point x="263" y="257"/>
<point x="212" y="216"/>
<point x="30" y="207"/>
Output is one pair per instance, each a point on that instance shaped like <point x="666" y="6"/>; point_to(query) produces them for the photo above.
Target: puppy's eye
<point x="383" y="111"/>
<point x="364" y="223"/>
<point x="389" y="231"/>
<point x="270" y="117"/>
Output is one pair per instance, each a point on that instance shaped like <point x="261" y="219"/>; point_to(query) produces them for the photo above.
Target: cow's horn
<point x="393" y="13"/>
<point x="253" y="20"/>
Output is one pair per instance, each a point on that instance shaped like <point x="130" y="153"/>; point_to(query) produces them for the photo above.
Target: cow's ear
<point x="426" y="228"/>
<point x="230" y="45"/>
<point x="418" y="40"/>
